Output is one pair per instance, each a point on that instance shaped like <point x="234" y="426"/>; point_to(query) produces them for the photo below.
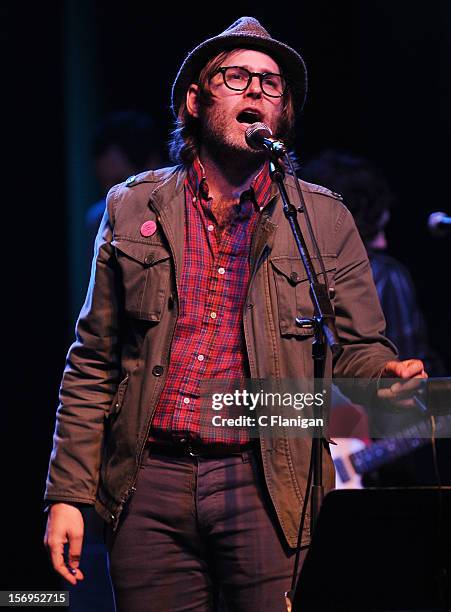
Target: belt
<point x="194" y="449"/>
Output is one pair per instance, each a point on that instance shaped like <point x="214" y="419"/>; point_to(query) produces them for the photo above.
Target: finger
<point x="401" y="392"/>
<point x="74" y="555"/>
<point x="57" y="558"/>
<point x="384" y="393"/>
<point x="399" y="387"/>
<point x="397" y="401"/>
<point x="401" y="404"/>
<point x="76" y="572"/>
<point x="406" y="386"/>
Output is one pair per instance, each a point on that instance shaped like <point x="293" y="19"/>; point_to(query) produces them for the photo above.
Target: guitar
<point x="353" y="458"/>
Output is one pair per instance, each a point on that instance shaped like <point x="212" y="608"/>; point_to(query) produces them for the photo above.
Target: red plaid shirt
<point x="208" y="341"/>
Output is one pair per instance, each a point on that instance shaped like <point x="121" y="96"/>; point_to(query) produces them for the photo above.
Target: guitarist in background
<point x="369" y="198"/>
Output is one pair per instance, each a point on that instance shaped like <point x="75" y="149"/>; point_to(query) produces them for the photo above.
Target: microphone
<point x="439" y="223"/>
<point x="259" y="137"/>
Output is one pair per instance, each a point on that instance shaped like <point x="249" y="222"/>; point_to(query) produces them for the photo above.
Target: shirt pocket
<point x="293" y="290"/>
<point x="145" y="272"/>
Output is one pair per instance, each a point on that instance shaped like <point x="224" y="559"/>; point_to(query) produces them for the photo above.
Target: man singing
<point x="197" y="277"/>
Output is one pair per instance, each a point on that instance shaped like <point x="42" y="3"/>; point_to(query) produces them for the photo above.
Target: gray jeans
<point x="198" y="531"/>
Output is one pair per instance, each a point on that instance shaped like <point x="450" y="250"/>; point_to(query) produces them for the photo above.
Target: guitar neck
<point x="386" y="450"/>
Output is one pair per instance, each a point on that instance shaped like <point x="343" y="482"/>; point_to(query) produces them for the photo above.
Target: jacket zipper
<point x="124" y="499"/>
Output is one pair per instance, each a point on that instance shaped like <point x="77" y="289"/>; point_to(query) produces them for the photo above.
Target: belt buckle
<point x="187" y="447"/>
<point x="191" y="451"/>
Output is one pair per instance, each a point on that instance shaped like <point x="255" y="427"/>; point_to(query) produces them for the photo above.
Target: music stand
<point x="379" y="550"/>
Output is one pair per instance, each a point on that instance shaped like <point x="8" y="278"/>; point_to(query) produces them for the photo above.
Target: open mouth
<point x="248" y="116"/>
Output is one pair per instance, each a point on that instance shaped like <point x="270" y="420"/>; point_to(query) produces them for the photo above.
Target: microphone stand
<point x="323" y="324"/>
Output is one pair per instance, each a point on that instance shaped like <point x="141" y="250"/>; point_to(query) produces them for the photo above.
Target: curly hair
<point x="185" y="140"/>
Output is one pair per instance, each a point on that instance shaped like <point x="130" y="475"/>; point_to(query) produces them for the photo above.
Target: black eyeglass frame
<point x="261" y="76"/>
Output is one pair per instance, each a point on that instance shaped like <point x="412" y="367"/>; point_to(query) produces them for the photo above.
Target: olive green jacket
<point x="117" y="366"/>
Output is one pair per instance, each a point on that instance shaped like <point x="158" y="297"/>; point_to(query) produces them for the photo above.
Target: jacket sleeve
<point x="90" y="379"/>
<point x="359" y="318"/>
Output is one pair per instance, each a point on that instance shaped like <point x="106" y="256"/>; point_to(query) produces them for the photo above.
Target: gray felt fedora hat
<point x="249" y="33"/>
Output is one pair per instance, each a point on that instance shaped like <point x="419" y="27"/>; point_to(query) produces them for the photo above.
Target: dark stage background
<point x="379" y="87"/>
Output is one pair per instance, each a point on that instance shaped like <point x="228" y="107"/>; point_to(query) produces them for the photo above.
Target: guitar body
<point x="353" y="457"/>
<point x="345" y="475"/>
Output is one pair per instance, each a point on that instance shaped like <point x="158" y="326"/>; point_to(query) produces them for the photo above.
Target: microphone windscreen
<point x="435" y="222"/>
<point x="255" y="132"/>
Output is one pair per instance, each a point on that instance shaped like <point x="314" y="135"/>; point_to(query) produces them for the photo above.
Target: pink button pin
<point x="148" y="228"/>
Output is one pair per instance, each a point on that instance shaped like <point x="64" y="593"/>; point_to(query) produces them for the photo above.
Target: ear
<point x="192" y="100"/>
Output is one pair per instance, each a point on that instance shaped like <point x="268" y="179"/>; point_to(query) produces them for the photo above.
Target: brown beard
<point x="217" y="139"/>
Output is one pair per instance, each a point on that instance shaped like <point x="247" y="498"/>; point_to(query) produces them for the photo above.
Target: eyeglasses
<point x="239" y="79"/>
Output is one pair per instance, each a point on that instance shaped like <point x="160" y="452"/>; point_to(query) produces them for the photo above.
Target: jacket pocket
<point x="145" y="277"/>
<point x="293" y="291"/>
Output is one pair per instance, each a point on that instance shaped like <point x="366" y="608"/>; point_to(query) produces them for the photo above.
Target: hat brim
<point x="290" y="62"/>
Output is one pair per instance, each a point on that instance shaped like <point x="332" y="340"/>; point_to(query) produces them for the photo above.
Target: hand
<point x="410" y="368"/>
<point x="65" y="525"/>
<point x="408" y="371"/>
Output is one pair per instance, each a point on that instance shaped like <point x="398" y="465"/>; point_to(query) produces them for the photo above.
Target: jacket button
<point x="294" y="276"/>
<point x="148" y="260"/>
<point x="249" y="305"/>
<point x="157" y="370"/>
